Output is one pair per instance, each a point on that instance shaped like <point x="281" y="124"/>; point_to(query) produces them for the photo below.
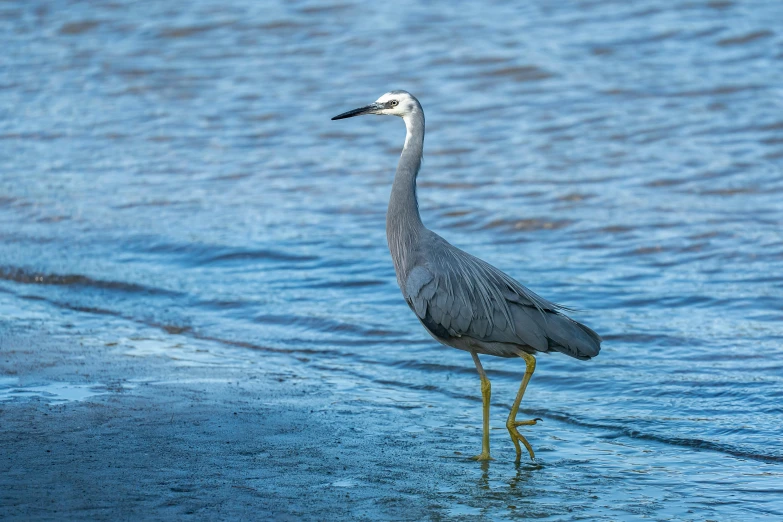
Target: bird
<point x="461" y="300"/>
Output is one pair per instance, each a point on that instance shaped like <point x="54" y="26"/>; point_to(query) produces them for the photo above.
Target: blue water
<point x="176" y="167"/>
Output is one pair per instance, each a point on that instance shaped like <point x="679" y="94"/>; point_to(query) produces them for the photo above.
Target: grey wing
<point x="458" y="295"/>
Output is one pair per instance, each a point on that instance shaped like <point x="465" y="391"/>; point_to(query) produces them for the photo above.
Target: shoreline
<point x="104" y="418"/>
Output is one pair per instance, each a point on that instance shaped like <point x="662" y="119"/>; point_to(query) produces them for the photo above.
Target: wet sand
<point x="113" y="419"/>
<point x="152" y="425"/>
<point x="172" y="435"/>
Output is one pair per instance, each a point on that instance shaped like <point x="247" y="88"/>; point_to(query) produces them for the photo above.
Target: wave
<point x="28" y="277"/>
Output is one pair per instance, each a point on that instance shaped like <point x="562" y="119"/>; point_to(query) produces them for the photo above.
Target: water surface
<point x="177" y="168"/>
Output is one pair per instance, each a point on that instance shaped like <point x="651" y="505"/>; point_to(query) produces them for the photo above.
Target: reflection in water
<point x="483" y="483"/>
<point x="523" y="476"/>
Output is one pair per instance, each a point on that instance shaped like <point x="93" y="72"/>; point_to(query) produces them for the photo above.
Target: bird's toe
<point x="517" y="437"/>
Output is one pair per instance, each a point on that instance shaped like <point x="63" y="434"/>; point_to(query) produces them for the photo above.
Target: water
<point x="178" y="168"/>
<point x="51" y="392"/>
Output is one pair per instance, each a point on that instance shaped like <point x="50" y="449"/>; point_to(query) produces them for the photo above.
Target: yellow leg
<point x="486" y="392"/>
<point x="512" y="421"/>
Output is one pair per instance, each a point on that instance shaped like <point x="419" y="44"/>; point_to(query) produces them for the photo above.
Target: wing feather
<point x="458" y="294"/>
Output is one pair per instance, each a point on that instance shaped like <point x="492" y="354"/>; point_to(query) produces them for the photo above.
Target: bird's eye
<point x="393" y="103"/>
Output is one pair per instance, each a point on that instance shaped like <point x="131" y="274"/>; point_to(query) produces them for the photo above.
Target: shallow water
<point x="178" y="168"/>
<point x="51" y="392"/>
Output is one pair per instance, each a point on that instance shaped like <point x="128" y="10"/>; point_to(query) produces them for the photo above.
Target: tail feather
<point x="571" y="338"/>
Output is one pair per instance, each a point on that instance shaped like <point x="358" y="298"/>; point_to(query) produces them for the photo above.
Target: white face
<point x="394" y="103"/>
<point x="398" y="103"/>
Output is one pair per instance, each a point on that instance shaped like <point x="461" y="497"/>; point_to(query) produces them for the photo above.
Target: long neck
<point x="403" y="223"/>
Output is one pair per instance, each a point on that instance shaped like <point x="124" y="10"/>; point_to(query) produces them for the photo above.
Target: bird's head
<point x="393" y="103"/>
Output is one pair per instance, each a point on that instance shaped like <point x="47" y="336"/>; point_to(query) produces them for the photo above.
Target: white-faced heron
<point x="462" y="301"/>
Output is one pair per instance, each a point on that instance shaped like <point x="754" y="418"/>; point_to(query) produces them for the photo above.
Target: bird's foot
<point x="484" y="455"/>
<point x="517" y="437"/>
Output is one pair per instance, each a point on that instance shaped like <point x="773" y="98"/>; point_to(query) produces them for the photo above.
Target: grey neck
<point x="403" y="222"/>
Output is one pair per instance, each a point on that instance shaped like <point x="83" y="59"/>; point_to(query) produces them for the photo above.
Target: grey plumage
<point x="461" y="300"/>
<point x="468" y="304"/>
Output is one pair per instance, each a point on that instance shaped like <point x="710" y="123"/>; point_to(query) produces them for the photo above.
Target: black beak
<point x="370" y="109"/>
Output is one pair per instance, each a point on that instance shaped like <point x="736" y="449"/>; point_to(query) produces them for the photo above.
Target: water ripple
<point x="179" y="169"/>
